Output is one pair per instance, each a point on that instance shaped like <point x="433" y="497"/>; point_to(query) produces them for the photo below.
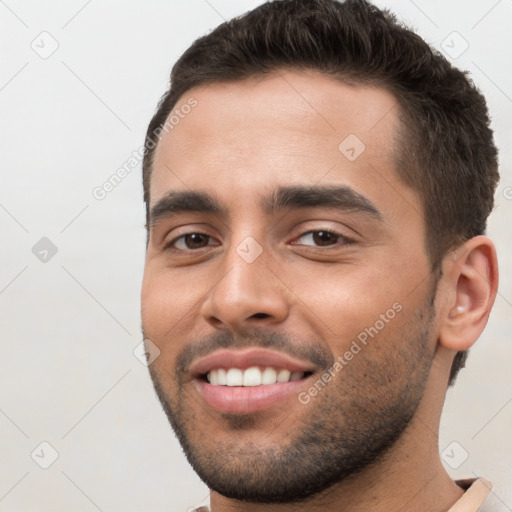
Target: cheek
<point x="344" y="300"/>
<point x="168" y="306"/>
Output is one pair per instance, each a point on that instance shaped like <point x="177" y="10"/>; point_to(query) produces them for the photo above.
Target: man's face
<point x="304" y="259"/>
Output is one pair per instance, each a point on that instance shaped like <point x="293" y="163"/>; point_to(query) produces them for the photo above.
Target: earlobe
<point x="470" y="283"/>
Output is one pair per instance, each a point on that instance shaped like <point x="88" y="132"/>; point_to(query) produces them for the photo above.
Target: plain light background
<point x="70" y="323"/>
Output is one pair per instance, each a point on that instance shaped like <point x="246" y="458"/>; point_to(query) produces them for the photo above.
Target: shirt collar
<point x="477" y="491"/>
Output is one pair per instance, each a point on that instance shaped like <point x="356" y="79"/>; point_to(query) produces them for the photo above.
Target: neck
<point x="409" y="476"/>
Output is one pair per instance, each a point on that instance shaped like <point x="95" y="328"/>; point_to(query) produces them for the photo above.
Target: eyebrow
<point x="342" y="198"/>
<point x="176" y="202"/>
<point x="337" y="197"/>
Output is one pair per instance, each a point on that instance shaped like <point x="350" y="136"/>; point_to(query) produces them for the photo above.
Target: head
<point x="322" y="191"/>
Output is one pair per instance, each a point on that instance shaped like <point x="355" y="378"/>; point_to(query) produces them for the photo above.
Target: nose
<point x="247" y="293"/>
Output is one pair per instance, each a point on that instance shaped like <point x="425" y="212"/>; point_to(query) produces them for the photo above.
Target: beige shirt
<point x="477" y="490"/>
<point x="477" y="498"/>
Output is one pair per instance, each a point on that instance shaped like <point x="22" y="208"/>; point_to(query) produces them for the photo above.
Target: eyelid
<point x="187" y="231"/>
<point x="345" y="240"/>
<point x="341" y="230"/>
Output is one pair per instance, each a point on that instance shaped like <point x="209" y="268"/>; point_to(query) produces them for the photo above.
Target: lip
<point x="247" y="400"/>
<point x="248" y="357"/>
<point x="250" y="399"/>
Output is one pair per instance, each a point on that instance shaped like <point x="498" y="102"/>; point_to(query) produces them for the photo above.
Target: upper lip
<point x="248" y="357"/>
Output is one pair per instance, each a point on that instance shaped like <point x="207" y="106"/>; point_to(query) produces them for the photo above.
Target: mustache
<point x="312" y="351"/>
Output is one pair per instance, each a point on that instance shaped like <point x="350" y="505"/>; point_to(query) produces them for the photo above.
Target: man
<point x="317" y="183"/>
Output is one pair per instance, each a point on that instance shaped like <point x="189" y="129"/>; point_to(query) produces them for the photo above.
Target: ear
<point x="470" y="284"/>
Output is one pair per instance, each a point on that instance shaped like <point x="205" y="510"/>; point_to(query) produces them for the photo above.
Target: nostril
<point x="260" y="315"/>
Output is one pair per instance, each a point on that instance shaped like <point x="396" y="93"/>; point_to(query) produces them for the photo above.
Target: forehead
<point x="288" y="127"/>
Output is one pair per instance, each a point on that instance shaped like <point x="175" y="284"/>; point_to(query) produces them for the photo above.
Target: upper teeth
<point x="253" y="376"/>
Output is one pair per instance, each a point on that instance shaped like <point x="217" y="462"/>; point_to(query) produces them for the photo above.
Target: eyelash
<point x="346" y="240"/>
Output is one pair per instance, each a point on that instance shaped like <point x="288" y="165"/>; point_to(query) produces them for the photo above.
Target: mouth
<point x="253" y="376"/>
<point x="250" y="380"/>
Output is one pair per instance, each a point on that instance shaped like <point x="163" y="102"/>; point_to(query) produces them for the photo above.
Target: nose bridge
<point x="247" y="290"/>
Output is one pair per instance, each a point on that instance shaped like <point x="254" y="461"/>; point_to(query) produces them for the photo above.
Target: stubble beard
<point x="358" y="417"/>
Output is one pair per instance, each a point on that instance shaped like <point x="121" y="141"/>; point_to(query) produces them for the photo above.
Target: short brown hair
<point x="445" y="149"/>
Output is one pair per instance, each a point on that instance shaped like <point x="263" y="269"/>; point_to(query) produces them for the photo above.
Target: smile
<point x="254" y="376"/>
<point x="249" y="380"/>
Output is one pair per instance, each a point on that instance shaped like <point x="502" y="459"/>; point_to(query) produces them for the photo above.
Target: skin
<point x="242" y="141"/>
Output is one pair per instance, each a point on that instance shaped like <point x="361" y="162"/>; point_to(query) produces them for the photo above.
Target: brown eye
<point x="320" y="238"/>
<point x="196" y="240"/>
<point x="191" y="241"/>
<point x="324" y="238"/>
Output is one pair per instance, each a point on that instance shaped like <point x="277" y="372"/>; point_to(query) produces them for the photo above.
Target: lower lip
<point x="245" y="400"/>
